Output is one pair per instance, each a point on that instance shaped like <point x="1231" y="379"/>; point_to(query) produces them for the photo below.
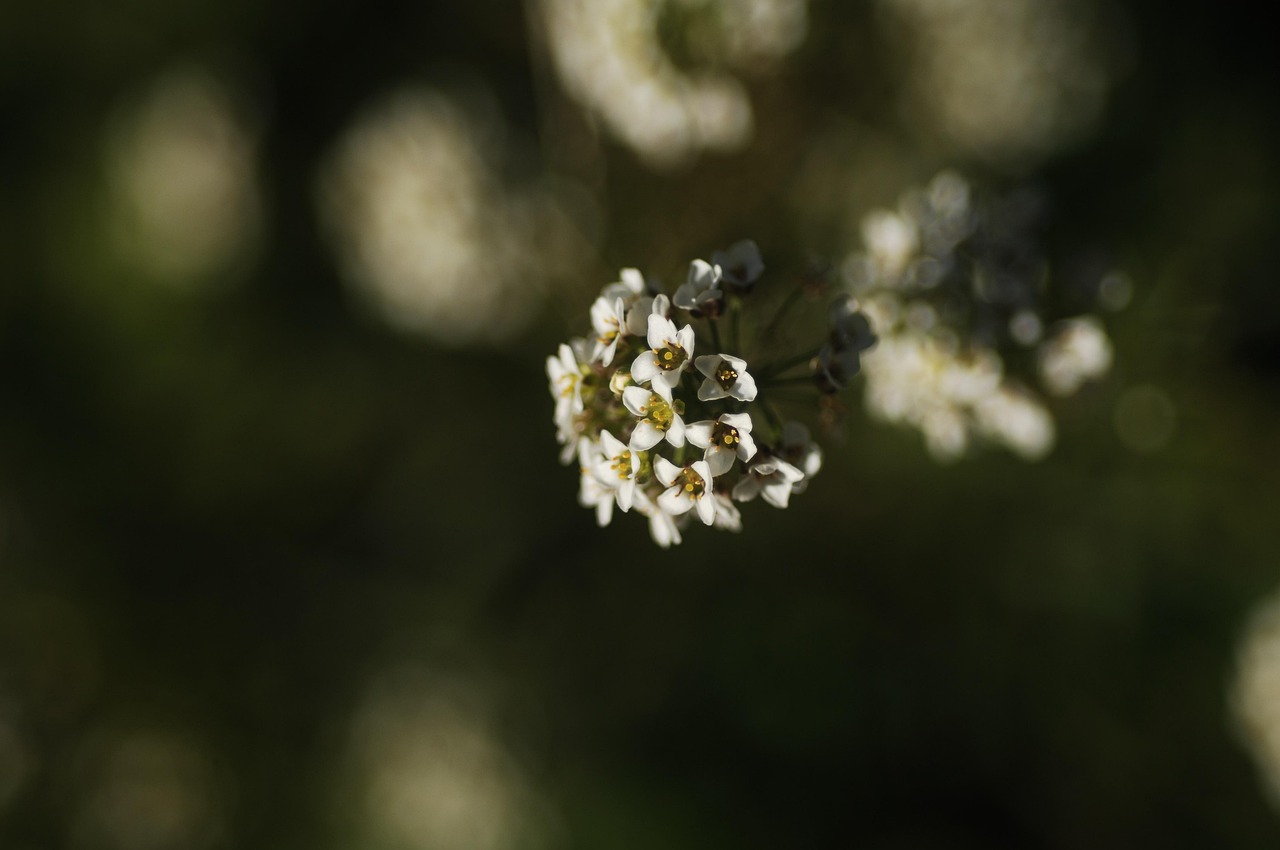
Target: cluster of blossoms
<point x="957" y="287"/>
<point x="665" y="420"/>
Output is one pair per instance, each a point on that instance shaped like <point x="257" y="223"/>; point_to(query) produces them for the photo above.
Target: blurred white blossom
<point x="424" y="229"/>
<point x="952" y="284"/>
<point x="612" y="60"/>
<point x="1255" y="693"/>
<point x="148" y="790"/>
<point x="1078" y="351"/>
<point x="426" y="768"/>
<point x="1008" y="80"/>
<point x="181" y="166"/>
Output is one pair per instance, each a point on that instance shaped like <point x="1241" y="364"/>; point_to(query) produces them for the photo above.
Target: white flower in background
<point x="663" y="527"/>
<point x="629" y="286"/>
<point x="1012" y="81"/>
<point x="611" y="60"/>
<point x="425" y="232"/>
<point x="949" y="282"/>
<point x="592" y="492"/>
<point x="724" y="438"/>
<point x="688" y="487"/>
<point x="892" y="240"/>
<point x="769" y="477"/>
<point x="801" y="452"/>
<point x="618" y="469"/>
<point x="1078" y="351"/>
<point x="726" y="376"/>
<point x="1255" y="692"/>
<point x="565" y="376"/>
<point x="728" y="517"/>
<point x="426" y="763"/>
<point x="659" y="419"/>
<point x="667" y="357"/>
<point x="1014" y="417"/>
<point x="181" y="166"/>
<point x="740" y="265"/>
<point x="701" y="293"/>
<point x="609" y="320"/>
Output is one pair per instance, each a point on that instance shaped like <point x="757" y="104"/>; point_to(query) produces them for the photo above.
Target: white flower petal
<point x="747" y="488"/>
<point x="707" y="363"/>
<point x="719" y="460"/>
<point x="685" y="339"/>
<point x="745" y="387"/>
<point x="661" y="329"/>
<point x="665" y="470"/>
<point x="645" y="436"/>
<point x="645" y="367"/>
<point x="611" y="445"/>
<point x="626" y="493"/>
<point x="636" y="400"/>
<point x="706" y="505"/>
<point x="674" y="501"/>
<point x="699" y="433"/>
<point x="711" y="390"/>
<point x="675" y="434"/>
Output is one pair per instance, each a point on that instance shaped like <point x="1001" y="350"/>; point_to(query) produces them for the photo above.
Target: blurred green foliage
<point x="227" y="509"/>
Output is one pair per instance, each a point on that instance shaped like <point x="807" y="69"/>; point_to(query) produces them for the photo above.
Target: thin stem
<point x="783" y="365"/>
<point x="784" y="382"/>
<point x="783" y="308"/>
<point x="771" y="415"/>
<point x="715" y="335"/>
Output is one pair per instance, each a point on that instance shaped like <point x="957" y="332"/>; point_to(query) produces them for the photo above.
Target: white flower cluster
<point x="661" y="428"/>
<point x="953" y="287"/>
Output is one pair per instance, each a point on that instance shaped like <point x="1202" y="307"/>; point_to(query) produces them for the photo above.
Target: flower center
<point x="610" y="332"/>
<point x="622" y="464"/>
<point x="568" y="384"/>
<point x="671" y="357"/>
<point x="691" y="483"/>
<point x="726" y="375"/>
<point x="725" y="435"/>
<point x="660" y="412"/>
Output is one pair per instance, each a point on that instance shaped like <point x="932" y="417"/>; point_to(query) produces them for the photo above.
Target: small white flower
<point x="770" y="477"/>
<point x="724" y="438"/>
<point x="801" y="452"/>
<point x="663" y="527"/>
<point x="728" y="517"/>
<point x="617" y="469"/>
<point x="1079" y="351"/>
<point x="564" y="373"/>
<point x="630" y="285"/>
<point x="662" y="364"/>
<point x="688" y="487"/>
<point x="609" y="320"/>
<point x="701" y="293"/>
<point x="892" y="240"/>
<point x="659" y="418"/>
<point x="726" y="376"/>
<point x="592" y="493"/>
<point x="740" y="264"/>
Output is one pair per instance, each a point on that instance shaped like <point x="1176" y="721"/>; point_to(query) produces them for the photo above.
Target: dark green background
<point x="224" y="512"/>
